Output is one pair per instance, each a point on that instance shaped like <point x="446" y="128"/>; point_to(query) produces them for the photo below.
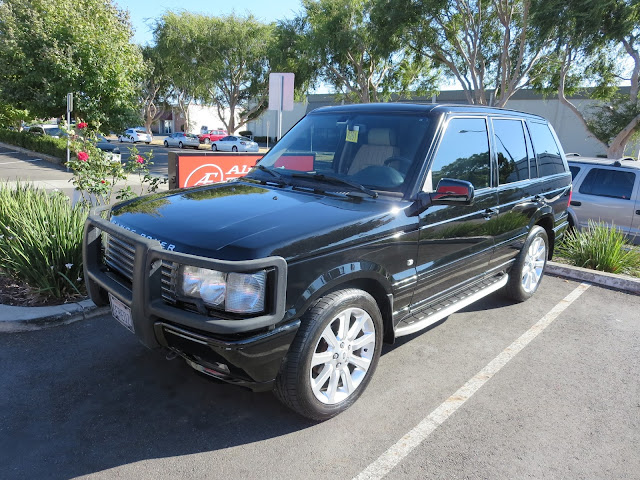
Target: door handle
<point x="489" y="213"/>
<point x="575" y="203"/>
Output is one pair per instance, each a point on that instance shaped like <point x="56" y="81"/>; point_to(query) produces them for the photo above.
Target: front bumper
<point x="250" y="348"/>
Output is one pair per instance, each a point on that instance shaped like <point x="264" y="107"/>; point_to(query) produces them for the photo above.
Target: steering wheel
<point x="401" y="164"/>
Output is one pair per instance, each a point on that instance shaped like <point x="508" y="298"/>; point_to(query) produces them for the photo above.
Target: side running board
<point x="451" y="305"/>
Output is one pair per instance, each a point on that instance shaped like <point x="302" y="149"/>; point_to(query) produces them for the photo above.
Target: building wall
<point x="575" y="138"/>
<point x="267" y="124"/>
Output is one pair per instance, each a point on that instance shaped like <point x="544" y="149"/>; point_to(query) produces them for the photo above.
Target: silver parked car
<point x="606" y="190"/>
<point x="182" y="140"/>
<point x="234" y="143"/>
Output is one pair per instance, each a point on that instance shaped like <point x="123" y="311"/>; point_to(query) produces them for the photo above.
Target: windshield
<point x="378" y="151"/>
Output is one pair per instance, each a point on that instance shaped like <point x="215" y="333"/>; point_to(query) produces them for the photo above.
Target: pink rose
<point x="140" y="159"/>
<point x="83" y="156"/>
<point x="82" y="125"/>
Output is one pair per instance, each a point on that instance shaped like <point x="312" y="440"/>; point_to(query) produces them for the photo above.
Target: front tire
<point x="333" y="356"/>
<point x="526" y="273"/>
<point x="180" y="145"/>
<point x="234" y="149"/>
<point x="214" y="147"/>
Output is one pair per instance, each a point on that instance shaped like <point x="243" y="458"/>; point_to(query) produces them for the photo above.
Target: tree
<point x="217" y="60"/>
<point x="598" y="40"/>
<point x="176" y="45"/>
<point x="156" y="87"/>
<point x="80" y="46"/>
<point x="489" y="47"/>
<point x="358" y="52"/>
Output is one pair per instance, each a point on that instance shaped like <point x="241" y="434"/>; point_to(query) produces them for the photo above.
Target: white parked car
<point x="181" y="139"/>
<point x="233" y="143"/>
<point x="135" y="135"/>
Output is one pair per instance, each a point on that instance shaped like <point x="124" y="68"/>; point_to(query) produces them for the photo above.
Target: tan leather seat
<point x="379" y="147"/>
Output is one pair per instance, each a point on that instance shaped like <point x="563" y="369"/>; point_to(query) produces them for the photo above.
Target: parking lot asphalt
<point x="87" y="400"/>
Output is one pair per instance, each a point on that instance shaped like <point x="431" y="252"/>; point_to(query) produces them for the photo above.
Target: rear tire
<point x="166" y="144"/>
<point x="527" y="272"/>
<point x="333" y="356"/>
<point x="234" y="149"/>
<point x="207" y="141"/>
<point x="180" y="145"/>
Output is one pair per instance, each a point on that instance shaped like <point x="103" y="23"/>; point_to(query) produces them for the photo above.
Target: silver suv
<point x="606" y="190"/>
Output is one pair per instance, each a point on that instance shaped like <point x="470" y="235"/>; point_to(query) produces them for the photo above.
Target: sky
<point x="143" y="13"/>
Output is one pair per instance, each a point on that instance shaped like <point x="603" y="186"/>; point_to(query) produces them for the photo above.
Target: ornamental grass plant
<point x="41" y="242"/>
<point x="600" y="247"/>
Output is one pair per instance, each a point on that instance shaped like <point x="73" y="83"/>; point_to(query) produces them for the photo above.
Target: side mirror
<point x="449" y="192"/>
<point x="453" y="192"/>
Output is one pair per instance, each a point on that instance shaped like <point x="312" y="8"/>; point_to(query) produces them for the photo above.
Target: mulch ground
<point x="18" y="294"/>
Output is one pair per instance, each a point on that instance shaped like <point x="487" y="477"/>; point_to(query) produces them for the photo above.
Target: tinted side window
<point x="463" y="154"/>
<point x="574" y="171"/>
<point x="608" y="183"/>
<point x="511" y="150"/>
<point x="547" y="151"/>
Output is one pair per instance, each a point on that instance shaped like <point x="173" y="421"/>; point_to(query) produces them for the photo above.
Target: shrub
<point x="600" y="247"/>
<point x="56" y="147"/>
<point x="99" y="177"/>
<point x="41" y="241"/>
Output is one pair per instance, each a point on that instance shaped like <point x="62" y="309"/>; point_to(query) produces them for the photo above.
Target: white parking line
<point x="394" y="455"/>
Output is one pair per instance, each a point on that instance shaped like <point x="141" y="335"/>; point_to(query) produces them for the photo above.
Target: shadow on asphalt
<point x="108" y="401"/>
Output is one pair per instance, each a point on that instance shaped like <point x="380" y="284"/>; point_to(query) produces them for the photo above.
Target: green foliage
<point x="56" y="147"/>
<point x="599" y="247"/>
<point x="99" y="177"/>
<point x="50" y="48"/>
<point x="359" y="52"/>
<point x="606" y="121"/>
<point x="219" y="60"/>
<point x="11" y="117"/>
<point x="41" y="241"/>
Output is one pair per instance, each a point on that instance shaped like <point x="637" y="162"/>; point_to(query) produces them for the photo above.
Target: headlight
<point x="233" y="292"/>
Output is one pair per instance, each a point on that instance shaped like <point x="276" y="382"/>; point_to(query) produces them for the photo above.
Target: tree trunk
<point x="619" y="143"/>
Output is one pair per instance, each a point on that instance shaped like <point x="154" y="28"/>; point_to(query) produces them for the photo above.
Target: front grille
<point x="168" y="280"/>
<point x="119" y="255"/>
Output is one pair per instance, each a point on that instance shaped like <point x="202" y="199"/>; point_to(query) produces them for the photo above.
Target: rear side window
<point x="574" y="171"/>
<point x="463" y="154"/>
<point x="547" y="150"/>
<point x="511" y="150"/>
<point x="608" y="183"/>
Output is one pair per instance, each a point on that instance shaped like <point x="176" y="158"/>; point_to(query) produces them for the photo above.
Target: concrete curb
<point x="47" y="158"/>
<point x="27" y="319"/>
<point x="610" y="280"/>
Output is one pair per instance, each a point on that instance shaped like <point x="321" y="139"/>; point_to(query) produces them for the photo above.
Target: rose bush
<point x="101" y="178"/>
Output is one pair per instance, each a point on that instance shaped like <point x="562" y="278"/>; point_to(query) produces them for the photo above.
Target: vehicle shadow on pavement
<point x="78" y="401"/>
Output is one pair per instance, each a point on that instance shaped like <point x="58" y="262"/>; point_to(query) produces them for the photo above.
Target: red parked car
<point x="212" y="136"/>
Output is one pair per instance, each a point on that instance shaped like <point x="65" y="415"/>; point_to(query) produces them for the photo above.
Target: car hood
<point x="244" y="221"/>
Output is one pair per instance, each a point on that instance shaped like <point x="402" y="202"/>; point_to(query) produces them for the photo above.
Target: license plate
<point x="121" y="312"/>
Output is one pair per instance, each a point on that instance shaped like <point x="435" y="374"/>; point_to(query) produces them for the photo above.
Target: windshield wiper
<point x="272" y="172"/>
<point x="336" y="181"/>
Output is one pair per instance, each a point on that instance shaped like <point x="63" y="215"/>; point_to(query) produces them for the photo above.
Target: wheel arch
<point x="546" y="222"/>
<point x="364" y="276"/>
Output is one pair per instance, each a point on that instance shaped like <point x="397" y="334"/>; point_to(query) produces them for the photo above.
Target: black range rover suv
<point x="363" y="224"/>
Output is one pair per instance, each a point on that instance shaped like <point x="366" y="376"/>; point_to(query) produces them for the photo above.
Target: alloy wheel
<point x="534" y="264"/>
<point x="342" y="356"/>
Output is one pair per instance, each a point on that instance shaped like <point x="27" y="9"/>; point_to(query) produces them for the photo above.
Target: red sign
<point x="198" y="170"/>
